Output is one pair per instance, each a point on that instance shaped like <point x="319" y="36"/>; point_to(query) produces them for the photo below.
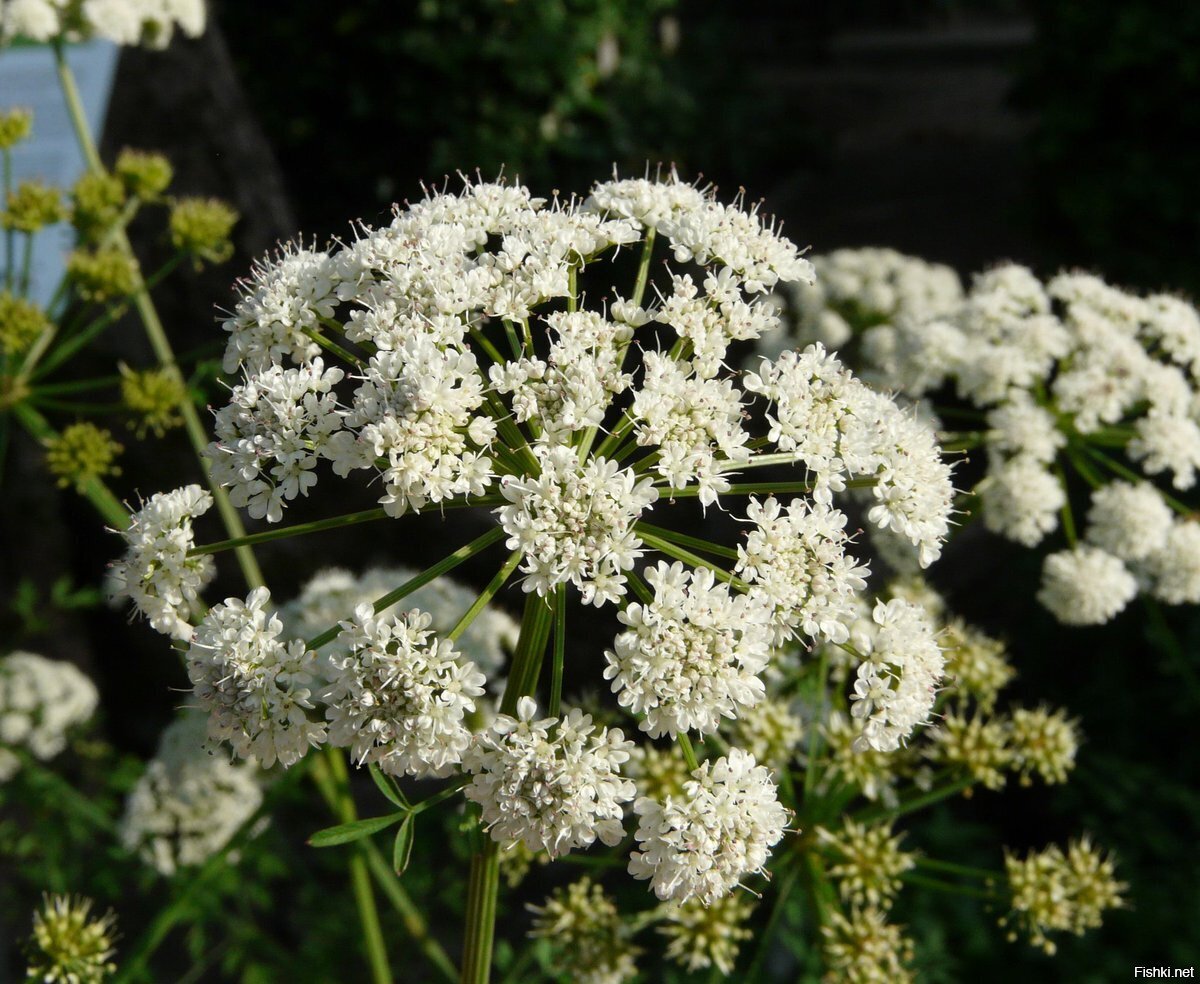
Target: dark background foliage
<point x="1053" y="133"/>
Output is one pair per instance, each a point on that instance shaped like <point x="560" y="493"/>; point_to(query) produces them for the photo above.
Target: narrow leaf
<point x="402" y="849"/>
<point x="388" y="787"/>
<point x="355" y="830"/>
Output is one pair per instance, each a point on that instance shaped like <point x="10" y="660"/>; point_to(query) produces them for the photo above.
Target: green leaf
<point x="355" y="830"/>
<point x="388" y="787"/>
<point x="402" y="849"/>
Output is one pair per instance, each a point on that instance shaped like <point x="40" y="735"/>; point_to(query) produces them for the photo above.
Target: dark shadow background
<point x="1064" y="133"/>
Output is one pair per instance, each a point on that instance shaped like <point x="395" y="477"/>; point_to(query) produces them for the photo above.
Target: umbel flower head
<point x="591" y="943"/>
<point x="189" y="802"/>
<point x="701" y="845"/>
<point x="68" y="945"/>
<point x="476" y="352"/>
<point x="554" y="791"/>
<point x="41" y="700"/>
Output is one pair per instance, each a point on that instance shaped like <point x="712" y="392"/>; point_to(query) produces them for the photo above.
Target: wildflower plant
<point x="479" y="352"/>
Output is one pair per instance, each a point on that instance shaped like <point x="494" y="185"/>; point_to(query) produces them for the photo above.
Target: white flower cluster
<point x="333" y="594"/>
<point x="797" y="558"/>
<point x="574" y="522"/>
<point x="721" y="830"/>
<point x="693" y="655"/>
<point x="840" y="429"/>
<point x="126" y="22"/>
<point x="899" y="677"/>
<point x="255" y="687"/>
<point x="188" y="803"/>
<point x="1072" y="374"/>
<point x="399" y="696"/>
<point x="41" y="700"/>
<point x="552" y="791"/>
<point x="420" y="311"/>
<point x="156" y="573"/>
<point x="858" y="288"/>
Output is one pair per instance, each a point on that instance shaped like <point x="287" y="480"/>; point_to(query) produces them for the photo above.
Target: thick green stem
<point x="689" y="753"/>
<point x="484" y="883"/>
<point x="684" y="540"/>
<point x="560" y="649"/>
<point x="334" y="764"/>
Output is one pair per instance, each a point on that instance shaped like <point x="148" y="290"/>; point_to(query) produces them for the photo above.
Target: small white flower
<point x="899" y="677"/>
<point x="1021" y="499"/>
<point x="798" y="558"/>
<point x="693" y="654"/>
<point x="399" y="696"/>
<point x="189" y="803"/>
<point x="554" y="792"/>
<point x="1174" y="568"/>
<point x="156" y="573"/>
<point x="254" y="686"/>
<point x="41" y="700"/>
<point x="1085" y="586"/>
<point x="1129" y="521"/>
<point x="574" y="523"/>
<point x="701" y="845"/>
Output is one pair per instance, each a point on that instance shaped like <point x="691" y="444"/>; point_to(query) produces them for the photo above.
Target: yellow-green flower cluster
<point x="977" y="745"/>
<point x="15" y="126"/>
<point x="1043" y="741"/>
<point x="103" y="274"/>
<point x="68" y="946"/>
<point x="658" y="772"/>
<point x="145" y="175"/>
<point x="976" y="663"/>
<point x="868" y="863"/>
<point x="591" y="943"/>
<point x="707" y="936"/>
<point x="82" y="452"/>
<point x="1053" y="892"/>
<point x="865" y="948"/>
<point x="21" y="322"/>
<point x="154" y="395"/>
<point x="201" y="228"/>
<point x="770" y="731"/>
<point x="31" y="206"/>
<point x="96" y="204"/>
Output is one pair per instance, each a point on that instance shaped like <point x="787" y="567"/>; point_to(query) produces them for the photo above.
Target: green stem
<point x="333" y="347"/>
<point x="484" y="884"/>
<point x="360" y="877"/>
<point x="643" y="273"/>
<point x="489" y="592"/>
<point x="1068" y="517"/>
<point x="684" y="540"/>
<point x="410" y="914"/>
<point x="560" y="649"/>
<point x="689" y="753"/>
<point x="444" y="566"/>
<point x="966" y="871"/>
<point x="679" y="553"/>
<point x="155" y="333"/>
<point x="281" y="533"/>
<point x="1131" y="476"/>
<point x="26" y="263"/>
<point x="482" y="891"/>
